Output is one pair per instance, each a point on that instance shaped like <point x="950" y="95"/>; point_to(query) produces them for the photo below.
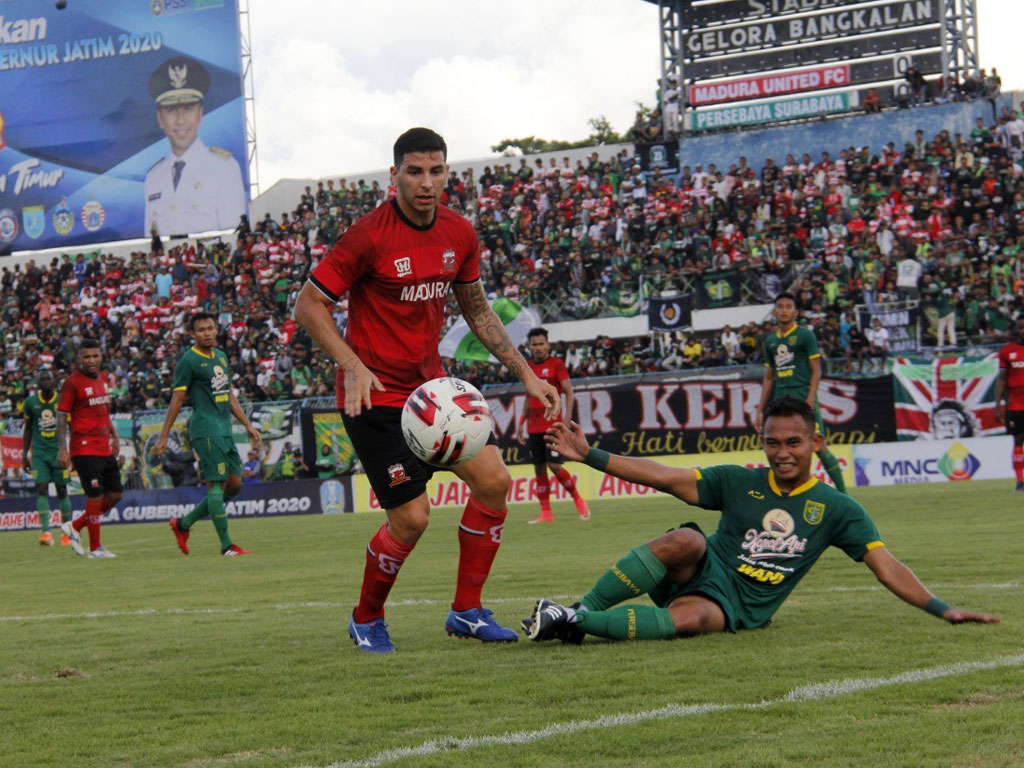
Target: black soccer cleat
<point x="548" y="621"/>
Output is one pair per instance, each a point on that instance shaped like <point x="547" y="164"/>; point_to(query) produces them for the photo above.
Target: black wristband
<point x="597" y="459"/>
<point x="936" y="607"/>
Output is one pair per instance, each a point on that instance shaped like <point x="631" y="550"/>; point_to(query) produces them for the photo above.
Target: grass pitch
<point x="156" y="659"/>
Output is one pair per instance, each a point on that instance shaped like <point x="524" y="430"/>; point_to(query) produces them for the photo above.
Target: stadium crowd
<point x="939" y="219"/>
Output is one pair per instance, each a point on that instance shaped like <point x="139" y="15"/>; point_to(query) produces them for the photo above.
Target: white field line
<point x="408" y="603"/>
<point x="817" y="692"/>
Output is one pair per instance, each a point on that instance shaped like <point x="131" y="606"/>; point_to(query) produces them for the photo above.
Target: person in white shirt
<point x="731" y="343"/>
<point x="878" y="343"/>
<point x="908" y="272"/>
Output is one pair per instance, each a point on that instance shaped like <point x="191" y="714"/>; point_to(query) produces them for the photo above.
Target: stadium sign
<point x="847" y="22"/>
<point x="731" y="11"/>
<point x="933" y="461"/>
<point x="772" y="111"/>
<point x="776" y="84"/>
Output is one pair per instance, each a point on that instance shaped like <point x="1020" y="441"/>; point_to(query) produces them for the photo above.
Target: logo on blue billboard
<point x="63" y="218"/>
<point x="93" y="216"/>
<point x="8" y="226"/>
<point x="332" y="497"/>
<point x="34" y="219"/>
<point x="860" y="470"/>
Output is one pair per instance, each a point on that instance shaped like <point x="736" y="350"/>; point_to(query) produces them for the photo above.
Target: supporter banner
<point x="86" y="155"/>
<point x="325" y="442"/>
<point x="659" y="416"/>
<point x="663" y="156"/>
<point x="299" y="497"/>
<point x="944" y="398"/>
<point x="901" y="320"/>
<point x="811" y="28"/>
<point x="719" y="289"/>
<point x="446" y="490"/>
<point x="934" y="461"/>
<point x="773" y="111"/>
<point x="774" y="84"/>
<point x="462" y="344"/>
<point x="670" y="314"/>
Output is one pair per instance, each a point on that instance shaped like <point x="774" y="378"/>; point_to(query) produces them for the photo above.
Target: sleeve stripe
<point x="320" y="287"/>
<point x="811" y="357"/>
<point x="698" y="474"/>
<point x="457" y="282"/>
<point x="178" y="389"/>
<point x="875" y="545"/>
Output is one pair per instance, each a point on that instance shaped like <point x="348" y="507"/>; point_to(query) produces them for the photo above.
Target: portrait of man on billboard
<point x="195" y="188"/>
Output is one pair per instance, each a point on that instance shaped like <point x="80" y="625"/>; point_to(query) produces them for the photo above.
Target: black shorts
<point x="98" y="474"/>
<point x="1014" y="422"/>
<point x="540" y="452"/>
<point x="396" y="474"/>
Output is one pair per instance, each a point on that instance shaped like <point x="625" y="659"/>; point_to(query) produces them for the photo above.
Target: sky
<point x="336" y="82"/>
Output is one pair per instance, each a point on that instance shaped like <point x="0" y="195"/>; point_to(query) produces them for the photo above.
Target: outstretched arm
<point x="901" y="581"/>
<point x="492" y="334"/>
<point x="572" y="444"/>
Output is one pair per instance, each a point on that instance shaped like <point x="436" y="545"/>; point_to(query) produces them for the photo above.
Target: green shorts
<point x="218" y="458"/>
<point x="45" y="470"/>
<point x="716" y="582"/>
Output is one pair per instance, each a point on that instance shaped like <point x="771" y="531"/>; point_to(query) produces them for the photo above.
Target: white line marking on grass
<point x="816" y="692"/>
<point x="114" y="614"/>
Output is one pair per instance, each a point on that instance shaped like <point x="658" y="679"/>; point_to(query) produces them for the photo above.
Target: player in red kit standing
<point x="397" y="265"/>
<point x="1010" y="396"/>
<point x="553" y="371"/>
<point x="85" y="403"/>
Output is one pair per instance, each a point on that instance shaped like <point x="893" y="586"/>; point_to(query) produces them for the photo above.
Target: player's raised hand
<point x="568" y="440"/>
<point x="956" y="616"/>
<point x="547" y="394"/>
<point x="360" y="382"/>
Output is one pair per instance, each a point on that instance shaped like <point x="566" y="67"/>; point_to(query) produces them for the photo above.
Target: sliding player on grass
<point x="775" y="524"/>
<point x="203" y="376"/>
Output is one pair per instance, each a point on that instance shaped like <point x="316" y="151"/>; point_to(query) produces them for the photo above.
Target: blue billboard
<point x="118" y="119"/>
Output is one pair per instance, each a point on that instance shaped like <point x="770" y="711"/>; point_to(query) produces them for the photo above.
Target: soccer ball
<point x="446" y="422"/>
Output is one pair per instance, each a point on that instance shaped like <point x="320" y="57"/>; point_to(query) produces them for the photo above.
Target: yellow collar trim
<point x="782" y="334"/>
<point x="813" y="481"/>
<point x="47" y="402"/>
<point x="202" y="354"/>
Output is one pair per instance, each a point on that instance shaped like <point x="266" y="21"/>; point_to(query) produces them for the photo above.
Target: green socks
<point x="634" y="575"/>
<point x="43" y="508"/>
<point x="628" y="622"/>
<point x="831" y="465"/>
<point x="215" y="503"/>
<point x="65" y="509"/>
<point x="200" y="510"/>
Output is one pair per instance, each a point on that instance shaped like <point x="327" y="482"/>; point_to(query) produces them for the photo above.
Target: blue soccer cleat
<point x="371" y="637"/>
<point x="478" y="623"/>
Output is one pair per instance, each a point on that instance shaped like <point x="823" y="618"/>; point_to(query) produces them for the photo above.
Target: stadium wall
<point x="830" y="135"/>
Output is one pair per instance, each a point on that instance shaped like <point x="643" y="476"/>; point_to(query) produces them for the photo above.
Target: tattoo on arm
<point x="488" y="327"/>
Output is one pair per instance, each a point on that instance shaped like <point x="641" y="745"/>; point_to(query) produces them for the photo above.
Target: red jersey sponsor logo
<point x="448" y="261"/>
<point x="397" y="474"/>
<point x="403" y="266"/>
<point x="425" y="291"/>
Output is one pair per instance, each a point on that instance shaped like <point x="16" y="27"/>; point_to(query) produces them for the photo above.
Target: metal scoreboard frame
<point x="712" y="42"/>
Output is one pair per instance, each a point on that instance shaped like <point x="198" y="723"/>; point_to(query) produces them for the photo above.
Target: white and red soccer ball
<point x="446" y="422"/>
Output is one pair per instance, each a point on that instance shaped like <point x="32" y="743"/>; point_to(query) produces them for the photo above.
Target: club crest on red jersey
<point x="403" y="266"/>
<point x="448" y="261"/>
<point x="397" y="474"/>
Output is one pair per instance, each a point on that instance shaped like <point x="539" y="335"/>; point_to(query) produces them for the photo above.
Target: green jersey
<point x="768" y="540"/>
<point x="41" y="417"/>
<point x="789" y="356"/>
<point x="207" y="380"/>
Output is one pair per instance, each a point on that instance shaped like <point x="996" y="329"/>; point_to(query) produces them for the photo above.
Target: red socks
<point x="91" y="519"/>
<point x="479" y="539"/>
<point x="1018" y="462"/>
<point x="384" y="558"/>
<point x="566" y="480"/>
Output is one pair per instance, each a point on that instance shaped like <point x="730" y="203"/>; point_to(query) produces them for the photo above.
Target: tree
<point x="601" y="132"/>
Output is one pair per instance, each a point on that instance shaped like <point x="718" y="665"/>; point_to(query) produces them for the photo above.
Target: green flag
<point x="462" y="344"/>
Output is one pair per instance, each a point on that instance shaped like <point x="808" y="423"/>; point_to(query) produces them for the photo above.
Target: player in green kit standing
<point x="204" y="378"/>
<point x="792" y="366"/>
<point x="40" y="438"/>
<point x="776" y="521"/>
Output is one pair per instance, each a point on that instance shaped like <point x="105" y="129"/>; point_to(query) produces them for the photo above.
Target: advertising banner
<point x="773" y="84"/>
<point x="773" y="111"/>
<point x="934" y="461"/>
<point x="658" y="416"/>
<point x="299" y="497"/>
<point x="121" y="117"/>
<point x="446" y="490"/>
<point x="944" y="398"/>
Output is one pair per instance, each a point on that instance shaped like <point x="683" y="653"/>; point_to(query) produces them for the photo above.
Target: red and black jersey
<point x="1011" y="360"/>
<point x="552" y="371"/>
<point x="87" y="403"/>
<point x="397" y="275"/>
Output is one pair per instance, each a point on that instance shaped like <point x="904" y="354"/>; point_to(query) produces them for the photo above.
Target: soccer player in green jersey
<point x="204" y="378"/>
<point x="775" y="523"/>
<point x="792" y="366"/>
<point x="40" y="438"/>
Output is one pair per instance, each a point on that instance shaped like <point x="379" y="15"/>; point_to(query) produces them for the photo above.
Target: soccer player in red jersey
<point x="94" y="446"/>
<point x="1010" y="396"/>
<point x="397" y="265"/>
<point x="553" y="371"/>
